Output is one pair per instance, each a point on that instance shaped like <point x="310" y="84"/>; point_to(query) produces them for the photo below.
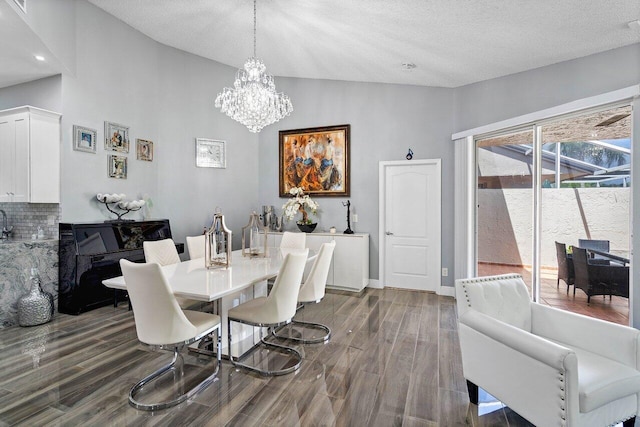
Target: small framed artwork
<point x="117" y="166"/>
<point x="116" y="137"/>
<point x="316" y="159"/>
<point x="144" y="150"/>
<point x="211" y="153"/>
<point x="84" y="139"/>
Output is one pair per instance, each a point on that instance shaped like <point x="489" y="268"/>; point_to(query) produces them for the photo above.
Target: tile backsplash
<point x="26" y="217"/>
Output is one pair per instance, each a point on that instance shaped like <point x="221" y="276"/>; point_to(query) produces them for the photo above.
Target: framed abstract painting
<point x="316" y="159"/>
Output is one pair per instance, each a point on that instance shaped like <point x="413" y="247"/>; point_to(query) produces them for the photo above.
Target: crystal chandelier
<point x="253" y="101"/>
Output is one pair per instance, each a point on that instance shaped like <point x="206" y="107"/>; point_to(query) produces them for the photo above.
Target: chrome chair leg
<point x="236" y="361"/>
<point x="170" y="366"/>
<point x="310" y="325"/>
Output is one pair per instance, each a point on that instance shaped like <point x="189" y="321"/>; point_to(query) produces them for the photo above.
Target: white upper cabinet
<point x="29" y="155"/>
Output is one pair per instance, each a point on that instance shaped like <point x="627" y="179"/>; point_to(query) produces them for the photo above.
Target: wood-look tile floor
<point x="393" y="359"/>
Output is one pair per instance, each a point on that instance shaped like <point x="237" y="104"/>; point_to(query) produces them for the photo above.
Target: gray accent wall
<point x="116" y="73"/>
<point x="42" y="93"/>
<point x="510" y="96"/>
<point x="385" y="121"/>
<point x="163" y="95"/>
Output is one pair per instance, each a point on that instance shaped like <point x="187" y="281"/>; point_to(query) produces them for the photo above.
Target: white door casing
<point x="410" y="224"/>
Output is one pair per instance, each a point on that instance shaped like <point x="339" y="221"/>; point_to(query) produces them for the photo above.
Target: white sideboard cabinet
<point x="349" y="268"/>
<point x="29" y="155"/>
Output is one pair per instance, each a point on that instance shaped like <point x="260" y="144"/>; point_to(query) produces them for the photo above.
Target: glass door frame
<point x="536" y="213"/>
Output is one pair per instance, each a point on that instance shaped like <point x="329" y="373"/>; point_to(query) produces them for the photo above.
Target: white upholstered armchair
<point x="553" y="367"/>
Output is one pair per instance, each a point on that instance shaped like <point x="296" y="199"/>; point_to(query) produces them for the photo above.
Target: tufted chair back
<point x="504" y="297"/>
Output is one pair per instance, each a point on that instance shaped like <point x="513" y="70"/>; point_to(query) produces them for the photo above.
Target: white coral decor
<point x="300" y="202"/>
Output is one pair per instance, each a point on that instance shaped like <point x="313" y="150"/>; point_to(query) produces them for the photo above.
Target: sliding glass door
<point x="566" y="181"/>
<point x="504" y="204"/>
<point x="585" y="202"/>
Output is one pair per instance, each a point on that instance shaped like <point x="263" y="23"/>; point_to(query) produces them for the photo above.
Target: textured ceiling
<point x="452" y="42"/>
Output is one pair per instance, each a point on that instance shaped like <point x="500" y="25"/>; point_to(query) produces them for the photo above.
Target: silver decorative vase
<point x="36" y="307"/>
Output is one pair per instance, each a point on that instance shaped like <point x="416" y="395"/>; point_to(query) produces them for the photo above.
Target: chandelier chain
<point x="254" y="29"/>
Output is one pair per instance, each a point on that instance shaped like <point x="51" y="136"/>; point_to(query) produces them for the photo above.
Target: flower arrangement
<point x="297" y="203"/>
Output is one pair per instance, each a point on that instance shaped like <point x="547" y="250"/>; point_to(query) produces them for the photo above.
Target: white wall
<point x="385" y="121"/>
<point x="504" y="222"/>
<point x="43" y="93"/>
<point x="510" y="96"/>
<point x="167" y="96"/>
<point x="163" y="95"/>
<point x="53" y="21"/>
<point x="188" y="195"/>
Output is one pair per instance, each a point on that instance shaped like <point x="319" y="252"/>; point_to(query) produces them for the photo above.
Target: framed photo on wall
<point x="316" y="159"/>
<point x="211" y="153"/>
<point x="116" y="137"/>
<point x="117" y="166"/>
<point x="144" y="150"/>
<point x="84" y="139"/>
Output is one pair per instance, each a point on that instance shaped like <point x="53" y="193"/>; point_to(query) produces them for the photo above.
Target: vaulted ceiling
<point x="451" y="42"/>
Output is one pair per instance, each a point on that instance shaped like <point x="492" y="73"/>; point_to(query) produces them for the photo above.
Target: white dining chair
<point x="160" y="322"/>
<point x="276" y="309"/>
<point x="312" y="291"/>
<point x="292" y="240"/>
<point x="164" y="252"/>
<point x="195" y="246"/>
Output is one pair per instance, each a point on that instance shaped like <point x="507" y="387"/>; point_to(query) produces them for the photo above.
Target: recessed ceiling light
<point x="634" y="25"/>
<point x="408" y="66"/>
<point x="39" y="57"/>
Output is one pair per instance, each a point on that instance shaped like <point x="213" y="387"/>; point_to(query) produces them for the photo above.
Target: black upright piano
<point x="90" y="253"/>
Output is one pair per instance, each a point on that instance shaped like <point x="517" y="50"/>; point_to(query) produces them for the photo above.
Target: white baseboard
<point x="448" y="291"/>
<point x="375" y="284"/>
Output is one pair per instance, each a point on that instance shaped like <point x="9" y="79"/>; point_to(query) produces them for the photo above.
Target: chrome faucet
<point x="6" y="230"/>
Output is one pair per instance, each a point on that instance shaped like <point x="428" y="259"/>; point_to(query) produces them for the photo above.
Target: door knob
<point x="388" y="233"/>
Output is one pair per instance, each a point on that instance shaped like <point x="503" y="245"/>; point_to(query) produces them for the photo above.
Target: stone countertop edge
<point x="28" y="241"/>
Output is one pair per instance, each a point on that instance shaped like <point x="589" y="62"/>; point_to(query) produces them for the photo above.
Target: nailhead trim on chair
<point x="485" y="279"/>
<point x="563" y="415"/>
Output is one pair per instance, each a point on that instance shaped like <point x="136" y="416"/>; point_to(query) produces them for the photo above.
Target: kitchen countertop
<point x="18" y="241"/>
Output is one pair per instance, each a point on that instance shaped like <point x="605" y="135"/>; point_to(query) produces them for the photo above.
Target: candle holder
<point x="254" y="237"/>
<point x="217" y="243"/>
<point x="348" y="205"/>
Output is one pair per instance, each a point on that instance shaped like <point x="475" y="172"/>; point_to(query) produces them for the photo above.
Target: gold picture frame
<point x="144" y="150"/>
<point x="117" y="166"/>
<point x="316" y="159"/>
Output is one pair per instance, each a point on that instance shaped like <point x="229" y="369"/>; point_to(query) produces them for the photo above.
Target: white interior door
<point x="411" y="229"/>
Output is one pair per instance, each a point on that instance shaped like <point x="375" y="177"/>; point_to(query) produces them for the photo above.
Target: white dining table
<point x="192" y="280"/>
<point x="227" y="287"/>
